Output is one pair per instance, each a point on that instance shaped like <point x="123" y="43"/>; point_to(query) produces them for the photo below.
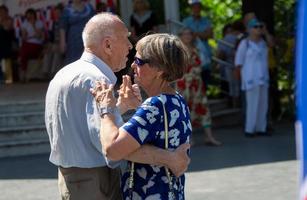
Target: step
<point x="217" y="104"/>
<point x="23" y="140"/>
<point x="26" y="106"/>
<point x="24" y="147"/>
<point x="22" y="118"/>
<point x="23" y="133"/>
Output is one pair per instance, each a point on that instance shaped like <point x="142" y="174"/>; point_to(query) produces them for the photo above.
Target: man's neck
<point x="196" y="17"/>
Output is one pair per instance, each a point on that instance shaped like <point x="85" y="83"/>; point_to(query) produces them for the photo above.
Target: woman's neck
<point x="255" y="38"/>
<point x="163" y="88"/>
<point x="141" y="12"/>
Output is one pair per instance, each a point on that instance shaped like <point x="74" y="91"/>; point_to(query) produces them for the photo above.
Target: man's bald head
<point x="98" y="27"/>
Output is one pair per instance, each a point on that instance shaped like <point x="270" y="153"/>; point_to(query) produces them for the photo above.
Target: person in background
<point x="226" y="51"/>
<point x="72" y="22"/>
<point x="53" y="58"/>
<point x="192" y="89"/>
<point x="163" y="119"/>
<point x="252" y="60"/>
<point x="6" y="48"/>
<point x="32" y="33"/>
<point x="274" y="94"/>
<point x="73" y="120"/>
<point x="202" y="28"/>
<point x="142" y="20"/>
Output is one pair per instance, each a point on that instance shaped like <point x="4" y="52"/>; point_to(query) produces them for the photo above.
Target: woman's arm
<point x="117" y="143"/>
<point x="177" y="161"/>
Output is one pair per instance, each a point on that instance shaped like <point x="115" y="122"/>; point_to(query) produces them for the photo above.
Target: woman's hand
<point x="103" y="94"/>
<point x="129" y="95"/>
<point x="180" y="160"/>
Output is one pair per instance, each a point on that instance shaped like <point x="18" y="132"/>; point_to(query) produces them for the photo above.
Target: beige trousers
<point x="101" y="183"/>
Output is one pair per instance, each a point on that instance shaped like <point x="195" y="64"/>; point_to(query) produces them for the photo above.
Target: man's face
<point x="196" y="9"/>
<point x="121" y="46"/>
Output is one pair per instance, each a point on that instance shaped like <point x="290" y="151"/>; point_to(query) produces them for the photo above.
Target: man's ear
<point x="106" y="44"/>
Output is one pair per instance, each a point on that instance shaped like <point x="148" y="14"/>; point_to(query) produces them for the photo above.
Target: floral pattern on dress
<point x="147" y="127"/>
<point x="194" y="92"/>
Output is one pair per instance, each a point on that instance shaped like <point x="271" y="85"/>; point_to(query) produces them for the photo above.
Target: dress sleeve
<point x="145" y="123"/>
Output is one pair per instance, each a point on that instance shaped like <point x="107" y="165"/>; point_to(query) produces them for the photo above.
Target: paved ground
<point x="261" y="168"/>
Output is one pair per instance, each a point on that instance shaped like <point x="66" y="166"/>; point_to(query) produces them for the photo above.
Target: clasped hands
<point x="129" y="96"/>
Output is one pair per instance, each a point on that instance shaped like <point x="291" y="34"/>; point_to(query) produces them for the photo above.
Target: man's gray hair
<point x="98" y="27"/>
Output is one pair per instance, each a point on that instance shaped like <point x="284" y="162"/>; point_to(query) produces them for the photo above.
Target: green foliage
<point x="284" y="13"/>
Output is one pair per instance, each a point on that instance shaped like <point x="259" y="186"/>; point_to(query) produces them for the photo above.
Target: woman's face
<point x="144" y="75"/>
<point x="2" y="13"/>
<point x="186" y="37"/>
<point x="257" y="30"/>
<point x="140" y="5"/>
<point x="30" y="16"/>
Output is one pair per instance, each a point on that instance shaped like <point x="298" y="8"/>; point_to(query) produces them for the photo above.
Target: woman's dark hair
<point x="3" y="7"/>
<point x="31" y="11"/>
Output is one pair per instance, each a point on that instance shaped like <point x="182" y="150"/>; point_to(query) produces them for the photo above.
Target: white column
<point x="171" y="8"/>
<point x="126" y="11"/>
<point x="172" y="20"/>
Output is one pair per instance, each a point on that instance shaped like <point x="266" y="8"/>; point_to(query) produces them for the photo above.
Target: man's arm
<point x="177" y="161"/>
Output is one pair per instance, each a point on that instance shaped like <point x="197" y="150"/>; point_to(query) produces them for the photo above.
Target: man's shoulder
<point x="81" y="69"/>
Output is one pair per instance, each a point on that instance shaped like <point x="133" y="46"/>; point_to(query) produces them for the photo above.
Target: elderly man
<point x="73" y="118"/>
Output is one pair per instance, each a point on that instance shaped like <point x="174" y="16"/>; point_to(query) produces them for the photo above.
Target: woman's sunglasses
<point x="139" y="61"/>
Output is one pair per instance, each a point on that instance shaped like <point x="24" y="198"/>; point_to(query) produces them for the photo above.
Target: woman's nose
<point x="133" y="65"/>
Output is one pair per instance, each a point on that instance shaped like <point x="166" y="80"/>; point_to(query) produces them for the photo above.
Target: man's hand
<point x="180" y="160"/>
<point x="129" y="95"/>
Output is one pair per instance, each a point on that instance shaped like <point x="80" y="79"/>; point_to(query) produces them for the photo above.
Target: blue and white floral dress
<point x="147" y="127"/>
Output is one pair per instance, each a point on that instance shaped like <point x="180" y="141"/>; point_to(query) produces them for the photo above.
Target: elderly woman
<point x="193" y="90"/>
<point x="163" y="120"/>
<point x="142" y="19"/>
<point x="252" y="61"/>
<point x="32" y="33"/>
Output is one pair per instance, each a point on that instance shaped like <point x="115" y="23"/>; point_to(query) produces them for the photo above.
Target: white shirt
<point x="31" y="32"/>
<point x="71" y="115"/>
<point x="253" y="57"/>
